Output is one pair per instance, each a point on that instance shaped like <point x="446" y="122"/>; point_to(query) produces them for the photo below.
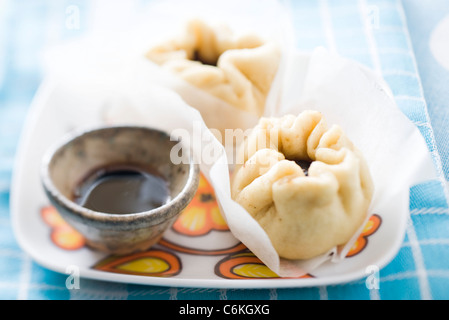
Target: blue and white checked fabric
<point x="434" y="76"/>
<point x="373" y="32"/>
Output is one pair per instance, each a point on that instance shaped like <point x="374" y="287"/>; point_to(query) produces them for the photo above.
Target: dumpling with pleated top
<point x="304" y="182"/>
<point x="238" y="69"/>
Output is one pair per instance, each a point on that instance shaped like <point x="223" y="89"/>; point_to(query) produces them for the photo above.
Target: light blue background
<point x="423" y="17"/>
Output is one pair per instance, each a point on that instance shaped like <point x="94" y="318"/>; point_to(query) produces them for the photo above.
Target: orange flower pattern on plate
<point x="245" y="265"/>
<point x="202" y="215"/>
<point x="203" y="252"/>
<point x="62" y="234"/>
<point x="154" y="263"/>
<point x="370" y="228"/>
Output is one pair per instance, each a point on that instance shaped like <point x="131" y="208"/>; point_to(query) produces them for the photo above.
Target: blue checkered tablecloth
<point x="389" y="36"/>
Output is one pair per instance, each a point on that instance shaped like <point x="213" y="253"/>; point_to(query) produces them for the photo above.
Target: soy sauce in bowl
<point x="122" y="189"/>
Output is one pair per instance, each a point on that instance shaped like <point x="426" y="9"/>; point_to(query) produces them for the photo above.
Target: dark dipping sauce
<point x="122" y="189"/>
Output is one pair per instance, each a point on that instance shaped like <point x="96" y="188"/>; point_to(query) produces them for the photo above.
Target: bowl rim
<point x="162" y="212"/>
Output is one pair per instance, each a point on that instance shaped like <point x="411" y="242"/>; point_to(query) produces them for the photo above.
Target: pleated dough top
<point x="236" y="69"/>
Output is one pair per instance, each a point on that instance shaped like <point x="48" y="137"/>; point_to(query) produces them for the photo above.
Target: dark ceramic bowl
<point x="81" y="152"/>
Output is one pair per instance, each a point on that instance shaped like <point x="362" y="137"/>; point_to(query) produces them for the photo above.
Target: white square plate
<point x="200" y="253"/>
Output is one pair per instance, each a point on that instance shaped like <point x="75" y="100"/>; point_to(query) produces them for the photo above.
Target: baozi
<point x="304" y="182"/>
<point x="238" y="69"/>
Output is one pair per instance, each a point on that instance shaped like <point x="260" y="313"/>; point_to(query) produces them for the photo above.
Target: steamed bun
<point x="236" y="69"/>
<point x="304" y="211"/>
